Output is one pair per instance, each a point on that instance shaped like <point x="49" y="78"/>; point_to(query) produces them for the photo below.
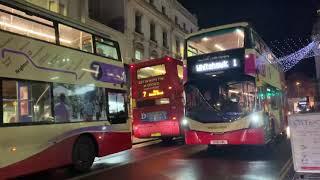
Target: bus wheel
<point x="167" y="139"/>
<point x="83" y="154"/>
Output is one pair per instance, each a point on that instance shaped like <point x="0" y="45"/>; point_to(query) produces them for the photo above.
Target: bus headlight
<point x="184" y="122"/>
<point x="254" y="121"/>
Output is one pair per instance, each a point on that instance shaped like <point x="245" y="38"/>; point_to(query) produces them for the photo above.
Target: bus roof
<point x="44" y="13"/>
<point x="148" y="62"/>
<point x="241" y="24"/>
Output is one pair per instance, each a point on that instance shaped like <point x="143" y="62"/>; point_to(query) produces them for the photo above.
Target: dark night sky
<point x="272" y="19"/>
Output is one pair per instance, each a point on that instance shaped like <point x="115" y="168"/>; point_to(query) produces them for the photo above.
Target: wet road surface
<point x="182" y="162"/>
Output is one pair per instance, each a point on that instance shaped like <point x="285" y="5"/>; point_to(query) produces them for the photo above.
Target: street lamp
<point x="298" y="86"/>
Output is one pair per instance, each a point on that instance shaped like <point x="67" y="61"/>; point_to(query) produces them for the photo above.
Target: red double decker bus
<point x="157" y="98"/>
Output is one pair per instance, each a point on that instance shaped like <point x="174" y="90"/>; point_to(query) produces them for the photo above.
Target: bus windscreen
<point x="216" y="41"/>
<point x="220" y="103"/>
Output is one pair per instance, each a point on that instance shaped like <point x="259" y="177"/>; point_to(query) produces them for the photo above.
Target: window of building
<point x="176" y="20"/>
<point x="26" y="25"/>
<point x="75" y="38"/>
<point x="164" y="10"/>
<point x="117" y="107"/>
<point x="184" y="26"/>
<point x="165" y="39"/>
<point x="152" y="31"/>
<point x="178" y="51"/>
<point x="138" y="22"/>
<point x="107" y="48"/>
<point x="26" y="102"/>
<point x="180" y="71"/>
<point x="57" y="7"/>
<point x="154" y="55"/>
<point x="138" y="54"/>
<point x="151" y="71"/>
<point x="151" y="2"/>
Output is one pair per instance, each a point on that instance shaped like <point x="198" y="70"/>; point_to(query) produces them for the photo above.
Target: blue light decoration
<point x="312" y="49"/>
<point x="287" y="62"/>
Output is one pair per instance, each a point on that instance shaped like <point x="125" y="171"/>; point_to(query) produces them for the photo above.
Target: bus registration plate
<point x="218" y="142"/>
<point x="155" y="134"/>
<point x="154" y="116"/>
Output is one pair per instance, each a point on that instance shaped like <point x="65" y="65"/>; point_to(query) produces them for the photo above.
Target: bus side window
<point x="26" y="102"/>
<point x="117" y="107"/>
<point x="75" y="38"/>
<point x="107" y="48"/>
<point x="76" y="103"/>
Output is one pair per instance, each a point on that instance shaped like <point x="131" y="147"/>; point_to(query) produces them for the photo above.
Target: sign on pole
<point x="305" y="142"/>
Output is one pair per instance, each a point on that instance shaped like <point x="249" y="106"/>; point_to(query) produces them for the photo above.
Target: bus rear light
<point x="169" y="87"/>
<point x="174" y="118"/>
<point x="168" y="58"/>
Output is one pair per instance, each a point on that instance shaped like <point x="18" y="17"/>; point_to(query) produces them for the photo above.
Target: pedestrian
<point x="62" y="110"/>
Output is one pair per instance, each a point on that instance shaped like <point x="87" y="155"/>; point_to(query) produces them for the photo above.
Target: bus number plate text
<point x="218" y="142"/>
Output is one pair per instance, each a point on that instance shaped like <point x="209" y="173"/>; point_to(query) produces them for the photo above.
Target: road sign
<point x="305" y="142"/>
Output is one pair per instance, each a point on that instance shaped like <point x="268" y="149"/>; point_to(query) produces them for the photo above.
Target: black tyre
<point x="83" y="154"/>
<point x="167" y="139"/>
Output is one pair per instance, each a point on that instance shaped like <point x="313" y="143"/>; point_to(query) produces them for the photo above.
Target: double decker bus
<point x="157" y="98"/>
<point x="63" y="99"/>
<point x="235" y="91"/>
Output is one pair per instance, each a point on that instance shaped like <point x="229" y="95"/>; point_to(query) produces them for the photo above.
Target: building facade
<point x="145" y="29"/>
<point x="152" y="28"/>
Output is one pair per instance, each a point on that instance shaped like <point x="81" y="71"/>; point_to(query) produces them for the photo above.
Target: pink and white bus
<point x="63" y="98"/>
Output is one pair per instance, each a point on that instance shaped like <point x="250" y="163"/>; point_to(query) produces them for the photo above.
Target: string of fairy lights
<point x="292" y="50"/>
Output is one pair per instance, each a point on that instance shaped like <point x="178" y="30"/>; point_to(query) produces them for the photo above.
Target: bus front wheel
<point x="83" y="154"/>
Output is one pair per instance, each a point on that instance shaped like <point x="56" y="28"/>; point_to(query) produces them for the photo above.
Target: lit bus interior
<point x="19" y="22"/>
<point x="216" y="41"/>
<point x="229" y="99"/>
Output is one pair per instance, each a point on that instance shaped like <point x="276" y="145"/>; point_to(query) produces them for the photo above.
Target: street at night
<point x="178" y="161"/>
<point x="160" y="89"/>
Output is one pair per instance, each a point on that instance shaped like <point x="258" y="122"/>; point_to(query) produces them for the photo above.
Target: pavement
<point x="177" y="161"/>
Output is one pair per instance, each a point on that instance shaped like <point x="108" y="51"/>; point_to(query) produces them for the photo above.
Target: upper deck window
<point x="151" y="71"/>
<point x="18" y="22"/>
<point x="107" y="48"/>
<point x="75" y="38"/>
<point x="216" y="41"/>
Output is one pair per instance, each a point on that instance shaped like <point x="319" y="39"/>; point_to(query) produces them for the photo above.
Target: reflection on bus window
<point x="117" y="107"/>
<point x="25" y="102"/>
<point x="79" y="103"/>
<point x="26" y="27"/>
<point x="216" y="41"/>
<point x="75" y="38"/>
<point x="208" y="102"/>
<point x="151" y="71"/>
<point x="106" y="48"/>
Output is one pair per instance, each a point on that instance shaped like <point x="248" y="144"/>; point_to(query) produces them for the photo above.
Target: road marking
<point x="148" y="143"/>
<point x="285" y="169"/>
<point x="125" y="163"/>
